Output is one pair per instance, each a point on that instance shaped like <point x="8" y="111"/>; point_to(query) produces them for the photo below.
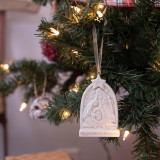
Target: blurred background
<point x="31" y="136"/>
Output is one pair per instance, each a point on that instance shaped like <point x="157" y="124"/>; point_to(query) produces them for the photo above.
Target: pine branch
<point x="131" y="61"/>
<point x="131" y="49"/>
<point x="69" y="101"/>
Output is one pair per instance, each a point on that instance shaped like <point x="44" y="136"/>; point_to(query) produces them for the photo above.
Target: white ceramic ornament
<point x="99" y="111"/>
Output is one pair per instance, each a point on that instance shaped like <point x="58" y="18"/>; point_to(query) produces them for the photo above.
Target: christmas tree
<point x="131" y="62"/>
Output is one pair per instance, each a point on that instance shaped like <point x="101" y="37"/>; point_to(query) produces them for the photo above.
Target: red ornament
<point x="51" y="52"/>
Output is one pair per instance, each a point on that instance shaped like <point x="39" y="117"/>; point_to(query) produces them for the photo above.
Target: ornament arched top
<point x="99" y="111"/>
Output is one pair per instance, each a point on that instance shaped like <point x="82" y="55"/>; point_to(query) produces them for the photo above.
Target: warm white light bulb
<point x="75" y="90"/>
<point x="23" y="106"/>
<point x="92" y="76"/>
<point x="100" y="14"/>
<point x="76" y="52"/>
<point x="100" y="6"/>
<point x="76" y="9"/>
<point x="65" y="115"/>
<point x="54" y="31"/>
<point x="126" y="133"/>
<point x="6" y="66"/>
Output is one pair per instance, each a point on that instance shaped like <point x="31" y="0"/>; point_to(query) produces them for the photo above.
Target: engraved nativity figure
<point x="100" y="112"/>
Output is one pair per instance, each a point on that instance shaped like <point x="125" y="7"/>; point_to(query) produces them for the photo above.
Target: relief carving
<point x="99" y="112"/>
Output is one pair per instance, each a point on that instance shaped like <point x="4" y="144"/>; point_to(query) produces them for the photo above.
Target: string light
<point x="75" y="89"/>
<point x="100" y="14"/>
<point x="74" y="51"/>
<point x="65" y="114"/>
<point x="23" y="106"/>
<point x="92" y="76"/>
<point x="76" y="9"/>
<point x="100" y="6"/>
<point x="54" y="31"/>
<point x="126" y="133"/>
<point x="5" y="67"/>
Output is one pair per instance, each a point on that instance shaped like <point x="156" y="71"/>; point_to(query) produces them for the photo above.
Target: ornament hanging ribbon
<point x="98" y="105"/>
<point x="44" y="86"/>
<point x="97" y="54"/>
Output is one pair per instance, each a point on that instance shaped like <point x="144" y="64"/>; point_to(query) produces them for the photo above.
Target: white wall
<point x="26" y="135"/>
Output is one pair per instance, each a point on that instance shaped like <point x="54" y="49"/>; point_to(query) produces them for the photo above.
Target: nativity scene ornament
<point x="99" y="110"/>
